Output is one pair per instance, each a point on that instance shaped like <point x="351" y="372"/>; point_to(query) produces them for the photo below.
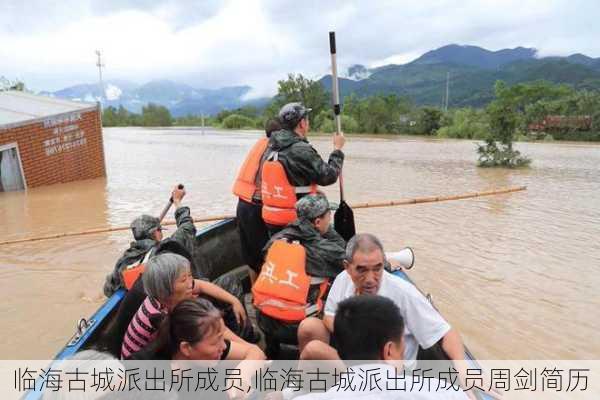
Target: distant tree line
<point x="541" y="110"/>
<point x="530" y="111"/>
<point x="151" y="115"/>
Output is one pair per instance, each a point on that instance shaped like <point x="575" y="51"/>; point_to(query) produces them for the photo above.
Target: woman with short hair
<point x="167" y="282"/>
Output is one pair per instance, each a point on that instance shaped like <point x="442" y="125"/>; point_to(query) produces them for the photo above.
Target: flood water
<point x="517" y="274"/>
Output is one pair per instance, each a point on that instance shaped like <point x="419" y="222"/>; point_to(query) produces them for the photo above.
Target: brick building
<point x="44" y="140"/>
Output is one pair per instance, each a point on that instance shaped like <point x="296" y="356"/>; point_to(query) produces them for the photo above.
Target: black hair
<point x="190" y="321"/>
<point x="364" y="324"/>
<point x="271" y="126"/>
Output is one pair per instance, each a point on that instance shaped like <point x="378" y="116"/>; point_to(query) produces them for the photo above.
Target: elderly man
<point x="292" y="168"/>
<point x="364" y="274"/>
<point x="301" y="261"/>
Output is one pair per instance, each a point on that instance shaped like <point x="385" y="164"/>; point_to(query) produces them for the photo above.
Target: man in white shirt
<point x="364" y="274"/>
<point x="371" y="329"/>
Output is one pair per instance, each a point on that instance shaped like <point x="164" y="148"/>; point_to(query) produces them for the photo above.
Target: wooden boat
<point x="217" y="252"/>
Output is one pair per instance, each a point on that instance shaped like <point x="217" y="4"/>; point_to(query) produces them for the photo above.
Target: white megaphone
<point x="405" y="257"/>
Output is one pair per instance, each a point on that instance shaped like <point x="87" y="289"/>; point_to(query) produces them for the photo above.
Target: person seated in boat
<point x="371" y="328"/>
<point x="148" y="234"/>
<point x="292" y="168"/>
<point x="364" y="274"/>
<point x="253" y="231"/>
<point x="194" y="330"/>
<point x="167" y="281"/>
<point x="300" y="262"/>
<point x="149" y="241"/>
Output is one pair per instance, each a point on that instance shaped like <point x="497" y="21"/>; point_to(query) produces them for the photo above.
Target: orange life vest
<point x="279" y="196"/>
<point x="282" y="287"/>
<point x="244" y="186"/>
<point x="131" y="273"/>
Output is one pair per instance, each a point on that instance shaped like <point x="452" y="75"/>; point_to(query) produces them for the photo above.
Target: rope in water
<point x="391" y="203"/>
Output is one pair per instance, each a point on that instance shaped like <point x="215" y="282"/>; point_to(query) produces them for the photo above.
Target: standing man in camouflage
<point x="292" y="168"/>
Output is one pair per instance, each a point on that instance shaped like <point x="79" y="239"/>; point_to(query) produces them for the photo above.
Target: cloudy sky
<point x="50" y="43"/>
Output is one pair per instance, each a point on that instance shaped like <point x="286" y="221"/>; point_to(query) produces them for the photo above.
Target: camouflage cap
<point x="312" y="206"/>
<point x="291" y="114"/>
<point x="144" y="226"/>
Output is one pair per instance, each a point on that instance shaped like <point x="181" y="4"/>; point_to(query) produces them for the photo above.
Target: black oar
<point x="169" y="204"/>
<point x="343" y="220"/>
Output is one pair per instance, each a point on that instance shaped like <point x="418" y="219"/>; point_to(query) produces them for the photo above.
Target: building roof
<point x="17" y="108"/>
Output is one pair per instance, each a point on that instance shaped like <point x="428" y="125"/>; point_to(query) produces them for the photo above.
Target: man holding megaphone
<point x="365" y="274"/>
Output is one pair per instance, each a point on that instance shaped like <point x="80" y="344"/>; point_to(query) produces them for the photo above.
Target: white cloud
<point x="212" y="44"/>
<point x="396" y="59"/>
<point x="112" y="92"/>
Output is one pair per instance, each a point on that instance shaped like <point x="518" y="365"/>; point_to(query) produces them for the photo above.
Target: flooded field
<point x="517" y="274"/>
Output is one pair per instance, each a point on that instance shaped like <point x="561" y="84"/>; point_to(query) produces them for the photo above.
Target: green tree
<point x="124" y="117"/>
<point x="109" y="116"/>
<point x="194" y="120"/>
<point x="298" y="88"/>
<point x="503" y="116"/>
<point x="237" y="121"/>
<point x="112" y="116"/>
<point x="349" y="125"/>
<point x="156" y="115"/>
<point x="428" y="120"/>
<point x="464" y="123"/>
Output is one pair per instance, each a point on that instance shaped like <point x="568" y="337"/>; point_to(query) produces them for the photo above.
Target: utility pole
<point x="99" y="64"/>
<point x="447" y="90"/>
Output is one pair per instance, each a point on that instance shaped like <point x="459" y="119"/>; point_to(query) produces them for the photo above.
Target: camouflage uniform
<point x="180" y="242"/>
<point x="302" y="163"/>
<point x="142" y="228"/>
<point x="324" y="253"/>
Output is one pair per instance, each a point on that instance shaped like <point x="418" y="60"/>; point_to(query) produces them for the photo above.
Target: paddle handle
<point x="168" y="205"/>
<point x="335" y="91"/>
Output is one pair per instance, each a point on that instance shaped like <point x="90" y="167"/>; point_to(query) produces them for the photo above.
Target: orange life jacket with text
<point x="244" y="186"/>
<point x="279" y="196"/>
<point x="131" y="273"/>
<point x="282" y="288"/>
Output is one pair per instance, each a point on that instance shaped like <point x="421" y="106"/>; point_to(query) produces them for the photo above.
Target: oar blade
<point x="343" y="221"/>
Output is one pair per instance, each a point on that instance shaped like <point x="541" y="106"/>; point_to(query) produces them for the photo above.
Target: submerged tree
<point x="504" y="117"/>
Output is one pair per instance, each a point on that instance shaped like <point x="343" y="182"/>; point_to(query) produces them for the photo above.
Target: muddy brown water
<point x="517" y="274"/>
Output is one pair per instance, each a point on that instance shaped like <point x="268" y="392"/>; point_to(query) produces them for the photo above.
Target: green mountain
<point x="472" y="74"/>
